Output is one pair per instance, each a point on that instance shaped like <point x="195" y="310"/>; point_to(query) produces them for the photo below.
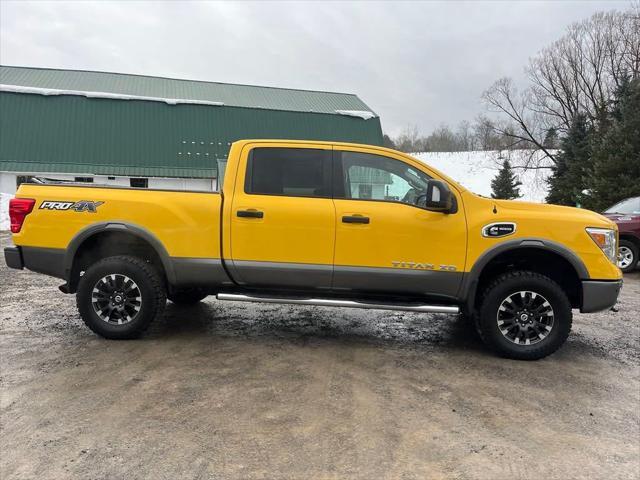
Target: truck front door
<point x="283" y="218"/>
<point x="386" y="242"/>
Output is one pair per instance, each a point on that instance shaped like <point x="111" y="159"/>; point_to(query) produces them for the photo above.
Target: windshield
<point x="630" y="206"/>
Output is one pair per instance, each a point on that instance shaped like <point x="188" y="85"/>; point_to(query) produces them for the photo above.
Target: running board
<point x="326" y="302"/>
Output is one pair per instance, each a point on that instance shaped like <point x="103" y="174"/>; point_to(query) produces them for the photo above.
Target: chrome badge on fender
<point x="499" y="229"/>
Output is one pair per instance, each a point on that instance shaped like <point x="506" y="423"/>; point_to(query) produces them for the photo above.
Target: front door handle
<point x="250" y="214"/>
<point x="355" y="219"/>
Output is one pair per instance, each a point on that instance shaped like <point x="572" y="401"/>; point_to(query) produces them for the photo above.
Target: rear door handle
<point x="250" y="214"/>
<point x="355" y="219"/>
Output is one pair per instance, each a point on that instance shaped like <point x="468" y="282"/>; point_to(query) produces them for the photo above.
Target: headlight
<point x="606" y="240"/>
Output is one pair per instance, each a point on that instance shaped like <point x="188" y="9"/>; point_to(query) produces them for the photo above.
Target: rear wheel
<point x="187" y="296"/>
<point x="628" y="256"/>
<point x="118" y="297"/>
<point x="524" y="315"/>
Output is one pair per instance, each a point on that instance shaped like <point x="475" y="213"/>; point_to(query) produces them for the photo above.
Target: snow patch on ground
<point x="4" y="211"/>
<point x="475" y="170"/>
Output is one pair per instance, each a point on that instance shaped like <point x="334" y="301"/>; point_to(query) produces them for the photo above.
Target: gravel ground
<point x="243" y="391"/>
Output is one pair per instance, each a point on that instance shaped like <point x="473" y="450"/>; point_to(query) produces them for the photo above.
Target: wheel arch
<point x="524" y="250"/>
<point x="118" y="229"/>
<point x="630" y="238"/>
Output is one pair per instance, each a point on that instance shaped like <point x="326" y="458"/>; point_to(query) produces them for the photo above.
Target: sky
<point x="414" y="63"/>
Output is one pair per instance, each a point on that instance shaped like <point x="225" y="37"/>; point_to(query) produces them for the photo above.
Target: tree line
<point x="481" y="134"/>
<point x="580" y="106"/>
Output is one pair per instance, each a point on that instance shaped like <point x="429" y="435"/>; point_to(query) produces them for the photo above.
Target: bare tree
<point x="442" y="139"/>
<point x="524" y="126"/>
<point x="464" y="136"/>
<point x="407" y="141"/>
<point x="578" y="73"/>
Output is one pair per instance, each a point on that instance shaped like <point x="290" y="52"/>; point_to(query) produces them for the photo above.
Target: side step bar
<point x="326" y="302"/>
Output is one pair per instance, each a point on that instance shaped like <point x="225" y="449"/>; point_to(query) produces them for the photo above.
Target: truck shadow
<point x="301" y="323"/>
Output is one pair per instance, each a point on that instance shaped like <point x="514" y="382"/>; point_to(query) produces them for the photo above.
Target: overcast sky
<point x="413" y="63"/>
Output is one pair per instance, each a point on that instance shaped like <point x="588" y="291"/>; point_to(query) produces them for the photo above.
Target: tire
<point x="187" y="296"/>
<point x="629" y="256"/>
<point x="130" y="280"/>
<point x="544" y="319"/>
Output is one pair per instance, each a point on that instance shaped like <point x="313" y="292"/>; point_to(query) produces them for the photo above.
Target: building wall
<point x="68" y="134"/>
<point x="8" y="181"/>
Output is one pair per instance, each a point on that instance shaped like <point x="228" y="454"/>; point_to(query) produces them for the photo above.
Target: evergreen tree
<point x="388" y="142"/>
<point x="616" y="173"/>
<point x="551" y="139"/>
<point x="505" y="184"/>
<point x="572" y="172"/>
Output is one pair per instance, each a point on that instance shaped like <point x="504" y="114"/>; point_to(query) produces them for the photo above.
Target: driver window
<point x="374" y="177"/>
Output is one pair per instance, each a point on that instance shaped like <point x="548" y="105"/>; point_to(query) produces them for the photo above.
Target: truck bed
<point x="184" y="225"/>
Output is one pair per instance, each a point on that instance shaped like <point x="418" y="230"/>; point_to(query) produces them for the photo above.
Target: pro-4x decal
<point x="80" y="206"/>
<point x="498" y="229"/>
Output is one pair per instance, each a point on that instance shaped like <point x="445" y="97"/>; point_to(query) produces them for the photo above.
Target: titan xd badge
<point x="81" y="206"/>
<point x="499" y="229"/>
<point x="423" y="266"/>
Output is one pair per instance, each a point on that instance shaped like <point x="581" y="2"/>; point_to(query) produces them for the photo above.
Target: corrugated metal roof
<point x="248" y="96"/>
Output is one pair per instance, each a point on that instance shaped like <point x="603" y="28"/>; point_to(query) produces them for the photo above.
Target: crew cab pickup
<point x="317" y="223"/>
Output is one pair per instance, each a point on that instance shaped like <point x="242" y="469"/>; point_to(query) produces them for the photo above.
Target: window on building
<point x="374" y="177"/>
<point x="293" y="172"/>
<point x="83" y="179"/>
<point x="139" y="182"/>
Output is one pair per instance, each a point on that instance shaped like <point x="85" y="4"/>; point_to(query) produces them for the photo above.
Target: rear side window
<point x="291" y="172"/>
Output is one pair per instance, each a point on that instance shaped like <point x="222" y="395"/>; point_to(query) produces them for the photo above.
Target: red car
<point x="626" y="214"/>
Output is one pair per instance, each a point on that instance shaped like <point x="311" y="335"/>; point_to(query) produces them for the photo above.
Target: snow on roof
<point x="124" y="86"/>
<point x="475" y="170"/>
<point x="113" y="96"/>
<point x="364" y="114"/>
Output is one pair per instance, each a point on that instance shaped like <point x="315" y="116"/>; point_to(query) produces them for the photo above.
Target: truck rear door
<point x="282" y="218"/>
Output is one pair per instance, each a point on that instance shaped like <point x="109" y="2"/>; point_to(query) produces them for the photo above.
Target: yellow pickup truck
<point x="318" y="223"/>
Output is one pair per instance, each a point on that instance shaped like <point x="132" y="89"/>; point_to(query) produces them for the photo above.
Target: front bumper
<point x="13" y="257"/>
<point x="599" y="295"/>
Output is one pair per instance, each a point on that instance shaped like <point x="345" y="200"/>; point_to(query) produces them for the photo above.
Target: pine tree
<point x="551" y="139"/>
<point x="572" y="173"/>
<point x="388" y="142"/>
<point x="505" y="184"/>
<point x="616" y="173"/>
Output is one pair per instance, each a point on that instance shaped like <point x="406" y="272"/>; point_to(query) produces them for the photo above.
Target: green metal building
<point x="121" y="129"/>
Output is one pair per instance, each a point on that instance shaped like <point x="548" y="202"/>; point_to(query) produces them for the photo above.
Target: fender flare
<point x="129" y="228"/>
<point x="469" y="286"/>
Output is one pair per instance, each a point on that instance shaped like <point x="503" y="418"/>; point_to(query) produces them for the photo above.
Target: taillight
<point x="19" y="208"/>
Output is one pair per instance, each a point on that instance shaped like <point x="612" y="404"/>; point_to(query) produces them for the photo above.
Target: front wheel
<point x="118" y="297"/>
<point x="524" y="316"/>
<point x="628" y="256"/>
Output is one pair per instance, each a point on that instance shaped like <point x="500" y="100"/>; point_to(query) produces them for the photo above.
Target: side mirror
<point x="438" y="197"/>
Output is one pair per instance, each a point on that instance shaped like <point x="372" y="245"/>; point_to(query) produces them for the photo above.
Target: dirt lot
<point x="225" y="390"/>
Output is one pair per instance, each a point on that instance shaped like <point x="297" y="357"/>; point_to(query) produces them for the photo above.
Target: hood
<point x="547" y="211"/>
